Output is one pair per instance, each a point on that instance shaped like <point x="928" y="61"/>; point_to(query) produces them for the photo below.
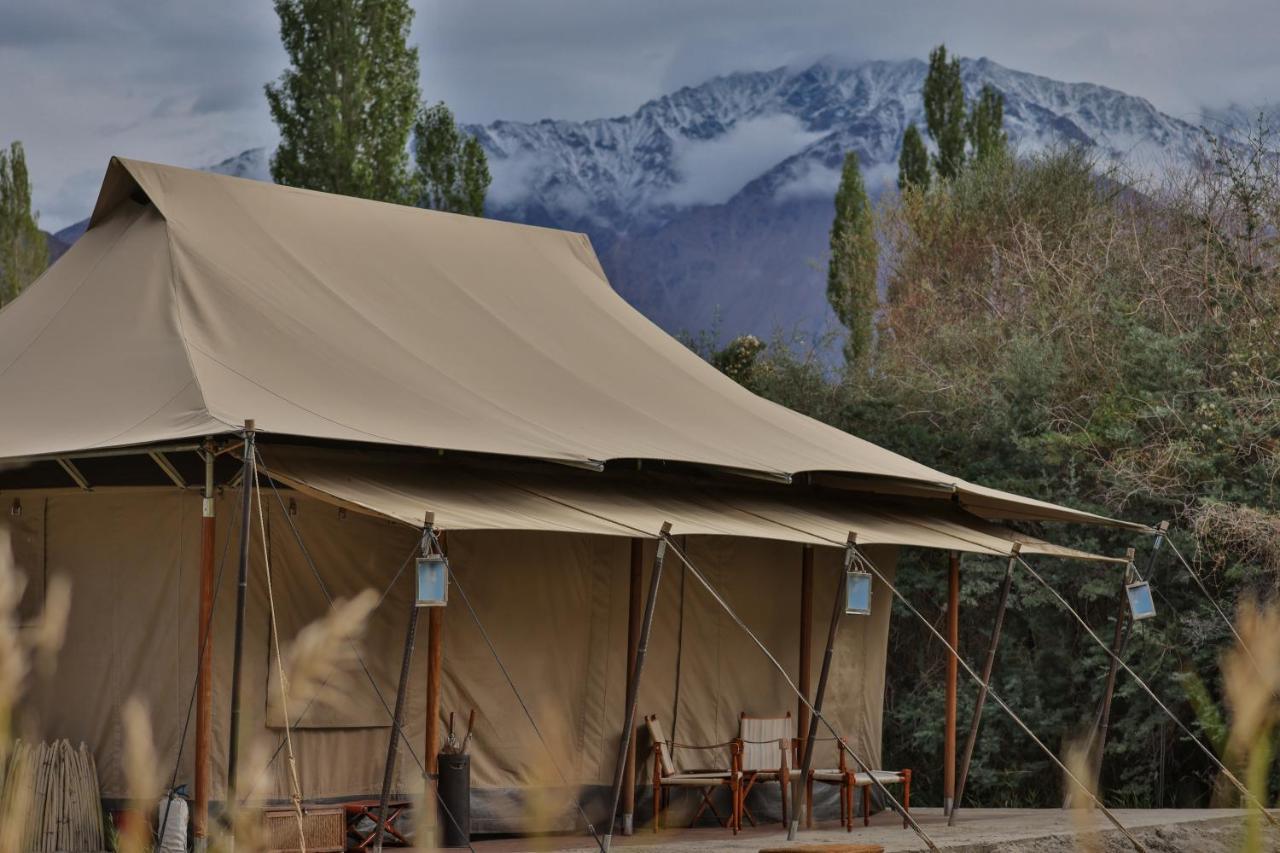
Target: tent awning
<point x="471" y="497"/>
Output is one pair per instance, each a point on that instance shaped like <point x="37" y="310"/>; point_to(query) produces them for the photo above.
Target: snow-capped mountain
<point x="710" y="206"/>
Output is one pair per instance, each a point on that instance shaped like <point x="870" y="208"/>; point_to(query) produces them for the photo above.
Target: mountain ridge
<point x="709" y="206"/>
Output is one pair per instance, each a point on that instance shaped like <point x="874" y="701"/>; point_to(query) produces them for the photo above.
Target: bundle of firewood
<point x="56" y="787"/>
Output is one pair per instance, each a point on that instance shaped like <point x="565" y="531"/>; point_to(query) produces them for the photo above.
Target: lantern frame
<point x="432" y="576"/>
<point x="857" y="592"/>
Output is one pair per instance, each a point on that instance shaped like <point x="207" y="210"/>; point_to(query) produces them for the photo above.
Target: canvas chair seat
<point x="884" y="777"/>
<point x="696" y="779"/>
<point x="834" y="775"/>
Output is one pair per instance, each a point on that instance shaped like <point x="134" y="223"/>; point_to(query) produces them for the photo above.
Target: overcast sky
<point x="180" y="81"/>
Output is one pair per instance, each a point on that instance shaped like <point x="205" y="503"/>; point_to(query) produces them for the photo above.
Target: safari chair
<point x="767" y="756"/>
<point x="668" y="773"/>
<point x="850" y="780"/>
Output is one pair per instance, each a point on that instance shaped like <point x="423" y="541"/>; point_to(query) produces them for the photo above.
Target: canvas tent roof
<point x="197" y="301"/>
<point x="478" y="497"/>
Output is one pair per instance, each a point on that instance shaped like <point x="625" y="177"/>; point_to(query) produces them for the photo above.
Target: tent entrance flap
<point x="473" y="497"/>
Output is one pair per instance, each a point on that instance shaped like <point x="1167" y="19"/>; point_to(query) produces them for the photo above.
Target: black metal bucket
<point x="454" y="802"/>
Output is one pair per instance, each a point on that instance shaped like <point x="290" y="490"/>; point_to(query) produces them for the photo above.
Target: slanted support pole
<point x="402" y="691"/>
<point x="633" y="689"/>
<point x="242" y="587"/>
<point x="1119" y="642"/>
<point x="987" y="667"/>
<point x="953" y="682"/>
<point x="837" y="607"/>
<point x="805" y="671"/>
<point x="633" y="649"/>
<point x="204" y="667"/>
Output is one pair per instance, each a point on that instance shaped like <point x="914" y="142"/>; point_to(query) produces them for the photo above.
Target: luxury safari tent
<point x="396" y="362"/>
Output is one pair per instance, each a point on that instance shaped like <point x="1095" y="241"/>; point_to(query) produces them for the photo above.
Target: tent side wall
<point x="555" y="606"/>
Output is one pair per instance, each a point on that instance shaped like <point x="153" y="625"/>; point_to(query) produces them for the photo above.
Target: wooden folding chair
<point x="668" y="774"/>
<point x="849" y="781"/>
<point x="767" y="756"/>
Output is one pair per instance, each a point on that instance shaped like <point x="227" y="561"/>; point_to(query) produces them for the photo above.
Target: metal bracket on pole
<point x="837" y="606"/>
<point x="163" y="463"/>
<point x="74" y="473"/>
<point x="633" y="689"/>
<point x="987" y="669"/>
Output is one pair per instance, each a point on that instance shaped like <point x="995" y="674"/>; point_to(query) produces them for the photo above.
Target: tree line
<point x="1051" y="325"/>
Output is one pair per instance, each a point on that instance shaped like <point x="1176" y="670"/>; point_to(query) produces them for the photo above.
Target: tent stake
<point x="633" y="647"/>
<point x="837" y="607"/>
<point x="633" y="689"/>
<point x="204" y="671"/>
<point x="987" y="667"/>
<point x="397" y="717"/>
<point x="242" y="587"/>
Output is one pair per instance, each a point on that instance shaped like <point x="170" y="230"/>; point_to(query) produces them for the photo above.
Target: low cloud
<point x="713" y="171"/>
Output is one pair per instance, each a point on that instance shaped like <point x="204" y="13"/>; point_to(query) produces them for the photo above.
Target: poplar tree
<point x="913" y="162"/>
<point x="851" y="272"/>
<point x="985" y="124"/>
<point x="452" y="171"/>
<point x="944" y="111"/>
<point x="346" y="104"/>
<point x="24" y="251"/>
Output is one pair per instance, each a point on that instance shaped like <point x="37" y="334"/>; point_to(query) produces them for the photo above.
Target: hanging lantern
<point x="857" y="593"/>
<point x="433" y="581"/>
<point x="1141" y="604"/>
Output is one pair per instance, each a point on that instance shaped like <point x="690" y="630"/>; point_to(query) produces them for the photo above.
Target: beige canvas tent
<point x="397" y="361"/>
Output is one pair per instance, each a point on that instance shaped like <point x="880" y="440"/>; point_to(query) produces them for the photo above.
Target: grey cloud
<point x="181" y="81"/>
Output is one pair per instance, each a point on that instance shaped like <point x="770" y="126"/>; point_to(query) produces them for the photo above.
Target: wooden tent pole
<point x="987" y="668"/>
<point x="633" y="648"/>
<point x="242" y="587"/>
<point x="805" y="675"/>
<point x="953" y="681"/>
<point x="837" y="607"/>
<point x="633" y="689"/>
<point x="402" y="690"/>
<point x="204" y="671"/>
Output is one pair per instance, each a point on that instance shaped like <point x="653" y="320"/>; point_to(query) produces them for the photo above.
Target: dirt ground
<point x="976" y="831"/>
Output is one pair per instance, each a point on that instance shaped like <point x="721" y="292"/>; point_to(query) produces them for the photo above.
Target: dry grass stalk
<point x="1251" y="681"/>
<point x="323" y="649"/>
<point x="140" y="776"/>
<point x="1081" y="794"/>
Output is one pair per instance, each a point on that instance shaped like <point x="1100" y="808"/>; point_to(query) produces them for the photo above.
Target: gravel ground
<point x="976" y="831"/>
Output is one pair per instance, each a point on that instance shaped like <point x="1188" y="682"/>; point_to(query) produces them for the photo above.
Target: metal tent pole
<point x="397" y="716"/>
<point x="242" y="586"/>
<point x="204" y="667"/>
<point x="837" y="606"/>
<point x="633" y="688"/>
